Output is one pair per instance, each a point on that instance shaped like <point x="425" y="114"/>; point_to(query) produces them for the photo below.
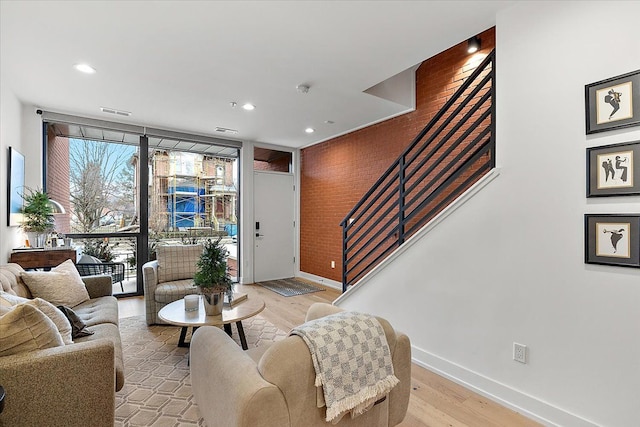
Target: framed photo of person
<point x="613" y="103"/>
<point x="612" y="239"/>
<point x="613" y="170"/>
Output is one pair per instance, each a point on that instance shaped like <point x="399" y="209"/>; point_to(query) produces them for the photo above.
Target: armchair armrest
<point x="228" y="387"/>
<point x="150" y="277"/>
<point x="60" y="390"/>
<point x="98" y="286"/>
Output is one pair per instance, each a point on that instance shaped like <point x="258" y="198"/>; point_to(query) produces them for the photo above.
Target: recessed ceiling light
<point x="85" y="68"/>
<point x="249" y="107"/>
<point x="309" y="130"/>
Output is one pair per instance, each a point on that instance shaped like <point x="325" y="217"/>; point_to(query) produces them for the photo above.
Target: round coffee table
<point x="175" y="314"/>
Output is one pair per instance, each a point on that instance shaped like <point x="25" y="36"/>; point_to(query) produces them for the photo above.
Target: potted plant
<point x="38" y="216"/>
<point x="212" y="277"/>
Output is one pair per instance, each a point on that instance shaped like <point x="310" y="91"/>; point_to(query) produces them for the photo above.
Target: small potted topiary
<point x="38" y="216"/>
<point x="212" y="277"/>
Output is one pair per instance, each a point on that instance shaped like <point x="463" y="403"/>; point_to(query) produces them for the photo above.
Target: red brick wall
<point x="279" y="165"/>
<point x="337" y="173"/>
<point x="58" y="179"/>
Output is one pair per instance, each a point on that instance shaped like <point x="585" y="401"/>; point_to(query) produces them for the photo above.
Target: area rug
<point x="157" y="389"/>
<point x="289" y="287"/>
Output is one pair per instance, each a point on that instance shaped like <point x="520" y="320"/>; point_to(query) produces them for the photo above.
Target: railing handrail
<point x="479" y="69"/>
<point x="412" y="189"/>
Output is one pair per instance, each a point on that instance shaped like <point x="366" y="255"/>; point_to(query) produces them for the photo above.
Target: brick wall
<point x="281" y="164"/>
<point x="337" y="173"/>
<point x="58" y="179"/>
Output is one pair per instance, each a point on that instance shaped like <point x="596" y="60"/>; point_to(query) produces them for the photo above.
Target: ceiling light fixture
<point x="473" y="44"/>
<point x="85" y="68"/>
<point x="309" y="130"/>
<point x="302" y="88"/>
<point x="249" y="107"/>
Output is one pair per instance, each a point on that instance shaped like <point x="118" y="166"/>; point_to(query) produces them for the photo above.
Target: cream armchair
<point x="273" y="386"/>
<point x="169" y="278"/>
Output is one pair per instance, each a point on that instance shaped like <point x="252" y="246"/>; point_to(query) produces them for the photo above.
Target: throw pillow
<point x="25" y="328"/>
<point x="177" y="262"/>
<point x="60" y="286"/>
<point x="9" y="301"/>
<point x="78" y="327"/>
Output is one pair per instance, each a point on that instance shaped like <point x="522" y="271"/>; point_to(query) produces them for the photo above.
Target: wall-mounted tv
<point x="15" y="187"/>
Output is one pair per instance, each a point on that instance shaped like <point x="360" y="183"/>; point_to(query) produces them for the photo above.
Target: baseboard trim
<point x="508" y="397"/>
<point x="321" y="280"/>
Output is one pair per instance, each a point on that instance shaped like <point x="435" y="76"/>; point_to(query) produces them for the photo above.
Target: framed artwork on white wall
<point x="612" y="239"/>
<point x="613" y="170"/>
<point x="15" y="187"/>
<point x="613" y="103"/>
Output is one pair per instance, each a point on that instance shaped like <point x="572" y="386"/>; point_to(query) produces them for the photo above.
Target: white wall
<point x="509" y="265"/>
<point x="19" y="128"/>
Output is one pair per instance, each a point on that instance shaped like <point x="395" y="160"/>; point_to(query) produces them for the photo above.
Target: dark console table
<point x="42" y="258"/>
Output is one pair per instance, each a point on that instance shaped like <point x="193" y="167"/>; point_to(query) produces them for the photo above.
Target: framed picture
<point x="15" y="187"/>
<point x="613" y="103"/>
<point x="613" y="170"/>
<point x="612" y="239"/>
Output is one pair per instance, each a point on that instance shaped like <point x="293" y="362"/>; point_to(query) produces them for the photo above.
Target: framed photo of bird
<point x="613" y="103"/>
<point x="612" y="239"/>
<point x="613" y="170"/>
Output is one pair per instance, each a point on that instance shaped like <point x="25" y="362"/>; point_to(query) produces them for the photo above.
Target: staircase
<point x="454" y="150"/>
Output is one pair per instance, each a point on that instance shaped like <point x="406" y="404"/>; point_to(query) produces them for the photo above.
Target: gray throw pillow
<point x="78" y="327"/>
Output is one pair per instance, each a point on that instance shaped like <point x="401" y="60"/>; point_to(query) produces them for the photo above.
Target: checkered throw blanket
<point x="352" y="361"/>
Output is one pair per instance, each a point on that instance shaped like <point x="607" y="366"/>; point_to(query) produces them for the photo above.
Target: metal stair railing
<point x="452" y="152"/>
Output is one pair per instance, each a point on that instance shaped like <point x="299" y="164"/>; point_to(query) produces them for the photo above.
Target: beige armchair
<point x="273" y="385"/>
<point x="169" y="277"/>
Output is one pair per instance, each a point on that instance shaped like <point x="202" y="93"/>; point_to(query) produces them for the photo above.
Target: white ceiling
<point x="178" y="64"/>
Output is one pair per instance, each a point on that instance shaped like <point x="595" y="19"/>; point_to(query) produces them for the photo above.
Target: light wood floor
<point x="435" y="401"/>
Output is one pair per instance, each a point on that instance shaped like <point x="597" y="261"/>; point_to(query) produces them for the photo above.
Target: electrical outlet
<point x="333" y="264"/>
<point x="519" y="352"/>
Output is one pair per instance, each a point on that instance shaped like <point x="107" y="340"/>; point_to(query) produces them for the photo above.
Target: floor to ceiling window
<point x="125" y="193"/>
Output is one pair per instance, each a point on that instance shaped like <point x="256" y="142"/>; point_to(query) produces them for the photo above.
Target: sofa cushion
<point x="60" y="286"/>
<point x="11" y="282"/>
<point x="173" y="291"/>
<point x="50" y="310"/>
<point x="177" y="262"/>
<point x="98" y="310"/>
<point x="25" y="328"/>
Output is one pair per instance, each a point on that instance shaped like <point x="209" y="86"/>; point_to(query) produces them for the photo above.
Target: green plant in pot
<point x="38" y="216"/>
<point x="212" y="277"/>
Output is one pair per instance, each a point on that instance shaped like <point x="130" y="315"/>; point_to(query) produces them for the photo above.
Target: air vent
<point x="226" y="130"/>
<point x="114" y="111"/>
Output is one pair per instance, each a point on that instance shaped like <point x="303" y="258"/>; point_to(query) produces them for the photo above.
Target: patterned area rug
<point x="157" y="390"/>
<point x="289" y="287"/>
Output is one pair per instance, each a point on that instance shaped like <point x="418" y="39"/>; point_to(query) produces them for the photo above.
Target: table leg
<point x="243" y="339"/>
<point x="183" y="334"/>
<point x="227" y="329"/>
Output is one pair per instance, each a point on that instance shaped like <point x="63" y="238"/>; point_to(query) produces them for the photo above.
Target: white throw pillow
<point x="25" y="328"/>
<point x="9" y="301"/>
<point x="60" y="286"/>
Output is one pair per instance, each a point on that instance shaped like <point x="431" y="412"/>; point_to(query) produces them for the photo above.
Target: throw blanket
<point x="352" y="361"/>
